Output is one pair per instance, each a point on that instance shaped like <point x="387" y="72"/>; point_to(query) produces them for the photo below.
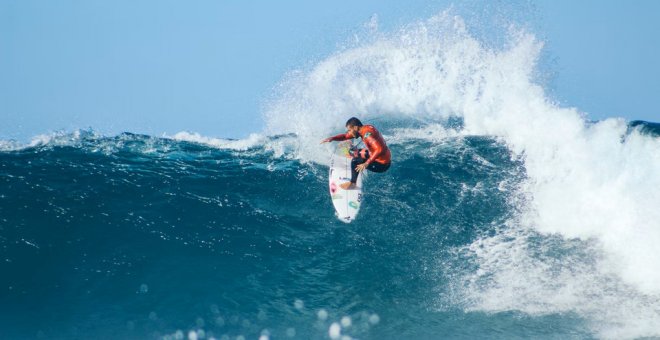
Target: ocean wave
<point x="586" y="180"/>
<point x="498" y="201"/>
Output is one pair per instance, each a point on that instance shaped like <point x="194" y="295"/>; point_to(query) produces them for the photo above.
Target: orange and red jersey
<point x="374" y="142"/>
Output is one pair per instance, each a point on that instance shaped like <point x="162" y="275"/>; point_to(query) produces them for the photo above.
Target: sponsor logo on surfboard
<point x="353" y="205"/>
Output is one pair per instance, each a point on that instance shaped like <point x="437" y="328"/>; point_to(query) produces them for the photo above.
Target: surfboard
<point x="346" y="202"/>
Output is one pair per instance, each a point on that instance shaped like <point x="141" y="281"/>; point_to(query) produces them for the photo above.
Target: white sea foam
<point x="251" y="141"/>
<point x="589" y="182"/>
<point x="432" y="132"/>
<point x="279" y="146"/>
<point x="59" y="138"/>
<point x="10" y="145"/>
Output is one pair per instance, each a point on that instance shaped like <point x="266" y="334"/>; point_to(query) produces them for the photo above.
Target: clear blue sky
<point x="164" y="66"/>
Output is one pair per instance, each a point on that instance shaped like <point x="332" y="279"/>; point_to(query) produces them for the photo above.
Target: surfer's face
<point x="353" y="130"/>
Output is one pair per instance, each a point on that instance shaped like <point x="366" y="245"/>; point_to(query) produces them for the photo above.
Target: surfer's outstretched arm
<point x="337" y="138"/>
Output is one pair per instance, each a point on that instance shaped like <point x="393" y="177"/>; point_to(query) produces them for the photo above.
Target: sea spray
<point x="590" y="181"/>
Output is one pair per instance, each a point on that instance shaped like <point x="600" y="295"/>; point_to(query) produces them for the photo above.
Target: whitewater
<point x="504" y="215"/>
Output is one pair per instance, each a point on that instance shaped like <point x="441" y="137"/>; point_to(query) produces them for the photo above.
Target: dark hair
<point x="354" y="122"/>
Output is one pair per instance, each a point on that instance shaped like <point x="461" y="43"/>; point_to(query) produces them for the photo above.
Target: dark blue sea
<point x="140" y="237"/>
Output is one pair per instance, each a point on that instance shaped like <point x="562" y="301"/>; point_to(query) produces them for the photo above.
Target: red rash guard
<point x="374" y="143"/>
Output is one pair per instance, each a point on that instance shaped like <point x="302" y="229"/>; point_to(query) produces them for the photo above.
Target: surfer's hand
<point x="361" y="167"/>
<point x="326" y="140"/>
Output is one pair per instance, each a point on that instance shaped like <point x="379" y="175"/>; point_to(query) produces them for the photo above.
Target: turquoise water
<point x="142" y="237"/>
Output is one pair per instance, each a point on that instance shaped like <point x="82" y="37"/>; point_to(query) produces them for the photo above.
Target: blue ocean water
<point x="503" y="216"/>
<point x="135" y="236"/>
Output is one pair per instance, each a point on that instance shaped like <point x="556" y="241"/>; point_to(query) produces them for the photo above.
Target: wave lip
<point x="252" y="141"/>
<point x="644" y="127"/>
<point x="59" y="138"/>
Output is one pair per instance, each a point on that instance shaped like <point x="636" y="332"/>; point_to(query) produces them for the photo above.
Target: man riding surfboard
<point x="376" y="157"/>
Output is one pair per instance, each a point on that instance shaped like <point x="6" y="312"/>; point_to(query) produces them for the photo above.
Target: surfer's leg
<point x="378" y="167"/>
<point x="354" y="163"/>
<point x="354" y="174"/>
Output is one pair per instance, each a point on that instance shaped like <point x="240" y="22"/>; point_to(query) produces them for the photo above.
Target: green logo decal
<point x="336" y="196"/>
<point x="352" y="205"/>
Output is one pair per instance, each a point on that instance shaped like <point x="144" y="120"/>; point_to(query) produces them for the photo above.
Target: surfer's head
<point x="353" y="122"/>
<point x="353" y="126"/>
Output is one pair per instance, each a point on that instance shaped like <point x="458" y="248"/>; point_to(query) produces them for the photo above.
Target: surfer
<point x="376" y="157"/>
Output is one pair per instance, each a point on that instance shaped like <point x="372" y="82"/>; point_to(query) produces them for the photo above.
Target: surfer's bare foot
<point x="347" y="186"/>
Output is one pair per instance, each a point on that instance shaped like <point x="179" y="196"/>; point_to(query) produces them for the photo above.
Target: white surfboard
<point x="347" y="202"/>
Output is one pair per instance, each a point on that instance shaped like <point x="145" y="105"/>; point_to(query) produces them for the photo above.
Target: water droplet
<point x="291" y="332"/>
<point x="346" y="321"/>
<point x="299" y="304"/>
<point x="334" y="331"/>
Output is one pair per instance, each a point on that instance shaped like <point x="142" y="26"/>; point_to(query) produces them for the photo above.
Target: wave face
<point x="135" y="236"/>
<point x="503" y="213"/>
<point x="141" y="237"/>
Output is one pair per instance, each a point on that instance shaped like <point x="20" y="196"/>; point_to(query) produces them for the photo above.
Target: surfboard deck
<point x="346" y="202"/>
